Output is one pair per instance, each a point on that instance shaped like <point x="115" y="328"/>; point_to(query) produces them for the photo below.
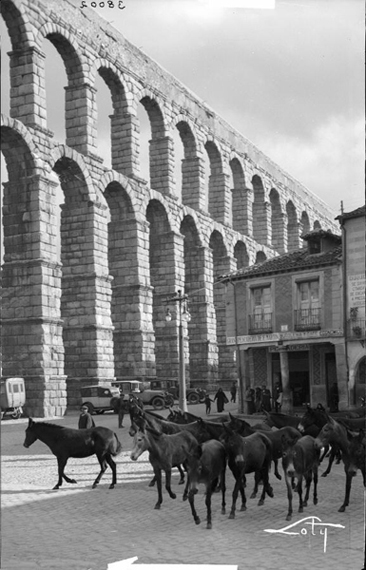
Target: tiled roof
<point x="288" y="262"/>
<point x="354" y="214"/>
<point x="320" y="233"/>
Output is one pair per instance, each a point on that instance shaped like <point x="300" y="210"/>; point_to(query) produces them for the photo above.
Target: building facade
<point x="96" y="311"/>
<point x="285" y="319"/>
<point x="353" y="238"/>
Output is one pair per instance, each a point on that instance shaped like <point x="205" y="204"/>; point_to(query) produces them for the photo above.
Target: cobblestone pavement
<point x="84" y="529"/>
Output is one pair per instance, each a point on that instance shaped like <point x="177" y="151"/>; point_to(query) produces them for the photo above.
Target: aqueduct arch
<point x="96" y="310"/>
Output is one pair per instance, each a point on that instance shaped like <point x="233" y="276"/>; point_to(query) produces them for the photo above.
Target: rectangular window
<point x="261" y="317"/>
<point x="308" y="305"/>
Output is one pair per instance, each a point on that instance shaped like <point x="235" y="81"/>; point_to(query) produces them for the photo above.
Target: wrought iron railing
<point x="260" y="323"/>
<point x="307" y="319"/>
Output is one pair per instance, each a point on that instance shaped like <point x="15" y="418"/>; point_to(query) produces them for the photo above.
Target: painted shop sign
<point x="290" y="348"/>
<point x="356" y="290"/>
<point x="275" y="337"/>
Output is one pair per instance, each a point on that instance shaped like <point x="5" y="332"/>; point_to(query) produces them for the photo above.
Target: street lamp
<point x="182" y="310"/>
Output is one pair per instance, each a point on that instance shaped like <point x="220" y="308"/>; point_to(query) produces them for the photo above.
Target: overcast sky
<point x="290" y="79"/>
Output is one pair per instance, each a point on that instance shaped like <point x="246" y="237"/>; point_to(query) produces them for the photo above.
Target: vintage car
<point x="194" y="395"/>
<point x="149" y="396"/>
<point x="12" y="397"/>
<point x="100" y="398"/>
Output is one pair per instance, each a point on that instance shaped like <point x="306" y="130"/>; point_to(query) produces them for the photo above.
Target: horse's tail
<point x="118" y="446"/>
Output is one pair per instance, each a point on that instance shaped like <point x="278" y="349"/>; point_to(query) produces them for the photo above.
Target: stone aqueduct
<point x="126" y="243"/>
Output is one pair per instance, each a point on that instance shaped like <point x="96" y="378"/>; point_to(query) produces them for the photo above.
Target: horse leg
<point x="348" y="492"/>
<point x="61" y="463"/>
<point x="181" y="480"/>
<point x="191" y="495"/>
<point x="289" y="497"/>
<point x="299" y="491"/>
<point x="257" y="479"/>
<point x="276" y="472"/>
<point x="308" y="479"/>
<point x="103" y="467"/>
<point x="223" y="491"/>
<point x="330" y="463"/>
<point x="152" y="482"/>
<point x="208" y="506"/>
<point x="315" y="482"/>
<point x="238" y="485"/>
<point x="112" y="465"/>
<point x="157" y="472"/>
<point x="168" y="476"/>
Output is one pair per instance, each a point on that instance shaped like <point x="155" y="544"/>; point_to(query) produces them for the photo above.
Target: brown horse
<point x="251" y="454"/>
<point x="67" y="442"/>
<point x="206" y="465"/>
<point x="165" y="452"/>
<point x="300" y="459"/>
<point x="352" y="448"/>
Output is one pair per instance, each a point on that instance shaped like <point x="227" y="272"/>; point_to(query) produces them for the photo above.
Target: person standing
<point x="121" y="410"/>
<point x="85" y="419"/>
<point x="258" y="400"/>
<point x="221" y="399"/>
<point x="277" y="397"/>
<point x="249" y="398"/>
<point x="266" y="399"/>
<point x="233" y="390"/>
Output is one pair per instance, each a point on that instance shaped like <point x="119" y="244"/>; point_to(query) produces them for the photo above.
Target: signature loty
<point x="314" y="523"/>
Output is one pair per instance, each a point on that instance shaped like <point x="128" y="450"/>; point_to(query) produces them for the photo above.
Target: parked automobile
<point x="149" y="396"/>
<point x="99" y="398"/>
<point x="194" y="395"/>
<point x="12" y="397"/>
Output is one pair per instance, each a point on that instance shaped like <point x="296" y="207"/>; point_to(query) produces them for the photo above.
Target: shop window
<point x="260" y="319"/>
<point x="307" y="314"/>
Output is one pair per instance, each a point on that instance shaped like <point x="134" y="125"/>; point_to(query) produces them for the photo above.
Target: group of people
<point x="221" y="399"/>
<point x="260" y="399"/>
<point x="86" y="420"/>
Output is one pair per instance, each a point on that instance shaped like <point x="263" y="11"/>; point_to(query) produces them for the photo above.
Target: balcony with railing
<point x="356" y="329"/>
<point x="260" y="323"/>
<point x="307" y="319"/>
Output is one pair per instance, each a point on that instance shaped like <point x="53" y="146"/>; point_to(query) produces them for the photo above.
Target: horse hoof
<point x="111" y="486"/>
<point x="232" y="516"/>
<point x="173" y="496"/>
<point x="305" y="504"/>
<point x="253" y="495"/>
<point x="55" y="488"/>
<point x="243" y="508"/>
<point x="342" y="509"/>
<point x="94" y="485"/>
<point x="289" y="517"/>
<point x="73" y="482"/>
<point x="270" y="492"/>
<point x="315" y="501"/>
<point x="209" y="526"/>
<point x="181" y="482"/>
<point x="185" y="497"/>
<point x="223" y="511"/>
<point x="157" y="506"/>
<point x="260" y="502"/>
<point x="152" y="483"/>
<point x="324" y="474"/>
<point x="278" y="476"/>
<point x="301" y="510"/>
<point x="197" y="520"/>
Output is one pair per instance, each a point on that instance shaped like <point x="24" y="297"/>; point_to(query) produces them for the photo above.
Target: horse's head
<point x="329" y="434"/>
<point x="140" y="444"/>
<point x="30" y="435"/>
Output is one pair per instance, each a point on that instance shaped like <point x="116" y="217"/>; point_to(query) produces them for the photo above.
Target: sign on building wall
<point x="356" y="290"/>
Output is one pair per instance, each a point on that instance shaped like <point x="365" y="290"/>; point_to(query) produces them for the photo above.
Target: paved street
<point x="80" y="528"/>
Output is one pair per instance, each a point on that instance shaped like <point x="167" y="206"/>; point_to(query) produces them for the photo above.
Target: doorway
<point x="299" y="375"/>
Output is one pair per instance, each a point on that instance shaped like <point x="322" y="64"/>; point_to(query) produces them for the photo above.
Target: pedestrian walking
<point x="221" y="400"/>
<point x="249" y="398"/>
<point x="266" y="398"/>
<point x="85" y="419"/>
<point x="233" y="390"/>
<point x="208" y="404"/>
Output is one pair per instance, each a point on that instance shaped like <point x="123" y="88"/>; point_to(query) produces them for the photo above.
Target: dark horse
<point x="300" y="459"/>
<point x="247" y="455"/>
<point x="206" y="465"/>
<point x="67" y="442"/>
<point x="165" y="452"/>
<point x="352" y="448"/>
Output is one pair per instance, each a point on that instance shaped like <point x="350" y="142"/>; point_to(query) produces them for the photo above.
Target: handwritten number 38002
<point x="109" y="4"/>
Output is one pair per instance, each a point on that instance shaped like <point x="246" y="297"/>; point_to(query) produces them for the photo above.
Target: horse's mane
<point x="52" y="426"/>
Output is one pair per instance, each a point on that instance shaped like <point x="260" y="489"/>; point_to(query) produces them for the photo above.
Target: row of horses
<point x="202" y="451"/>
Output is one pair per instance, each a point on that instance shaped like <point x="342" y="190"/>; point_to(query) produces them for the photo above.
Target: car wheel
<point x="158" y="403"/>
<point x="90" y="407"/>
<point x="193" y="398"/>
